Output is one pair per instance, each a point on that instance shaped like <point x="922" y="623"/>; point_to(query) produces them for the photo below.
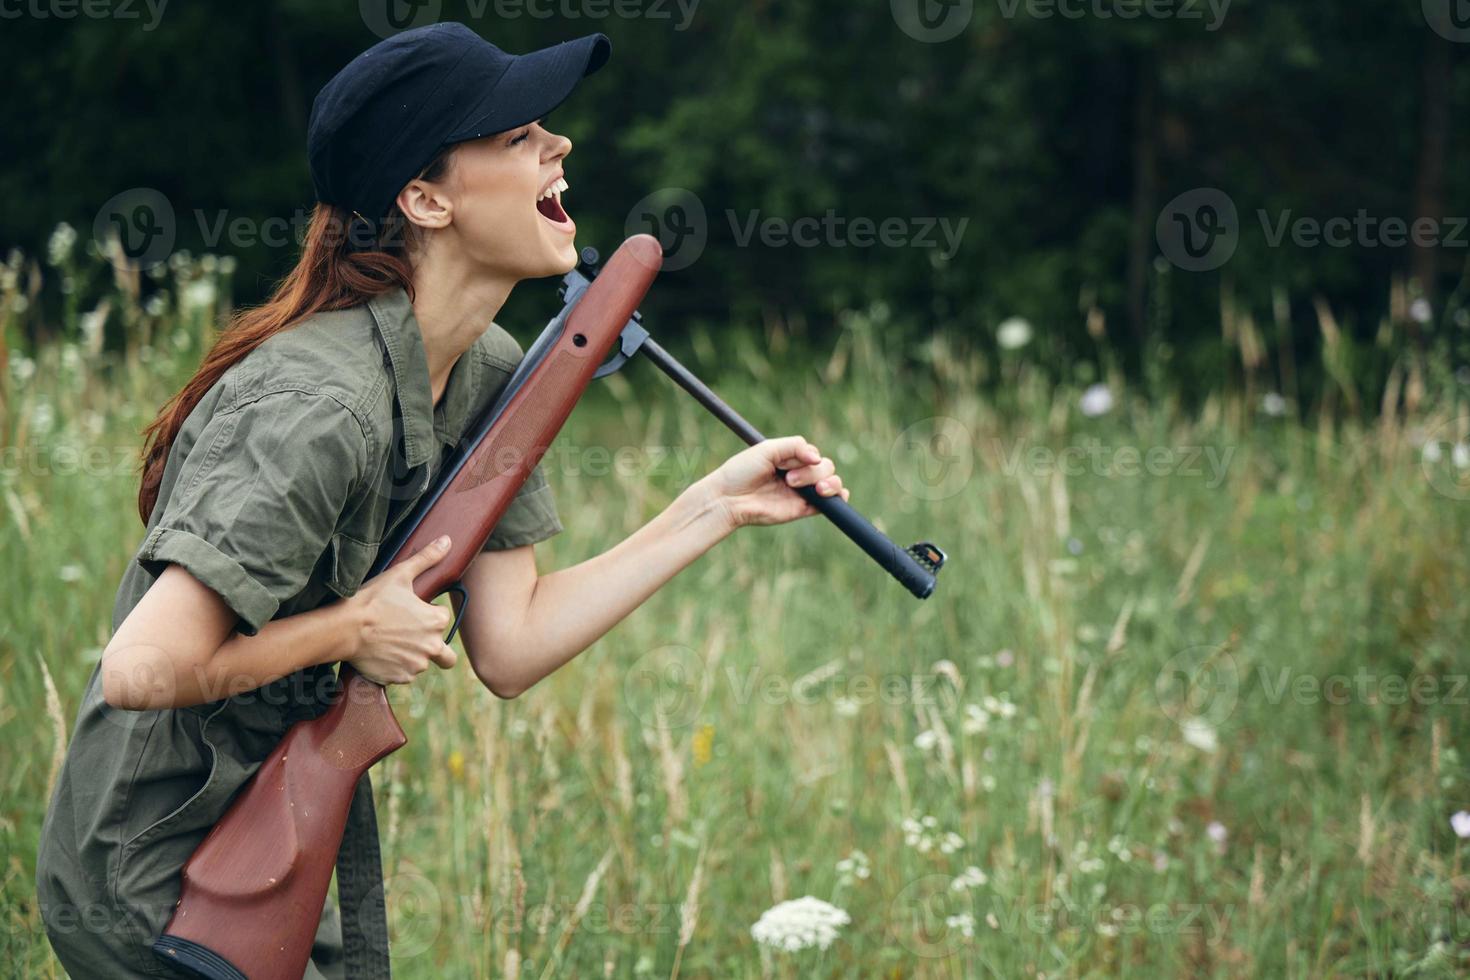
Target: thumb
<point x="426" y="557"/>
<point x="445" y="657"/>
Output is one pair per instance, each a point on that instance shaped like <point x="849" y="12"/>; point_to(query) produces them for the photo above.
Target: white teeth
<point x="558" y="186"/>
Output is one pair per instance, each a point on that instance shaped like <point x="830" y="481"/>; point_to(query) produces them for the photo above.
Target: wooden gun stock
<point x="252" y="893"/>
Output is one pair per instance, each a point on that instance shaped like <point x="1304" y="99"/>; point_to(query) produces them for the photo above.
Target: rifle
<point x="253" y="891"/>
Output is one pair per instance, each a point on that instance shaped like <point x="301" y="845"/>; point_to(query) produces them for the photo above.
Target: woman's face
<point x="503" y="198"/>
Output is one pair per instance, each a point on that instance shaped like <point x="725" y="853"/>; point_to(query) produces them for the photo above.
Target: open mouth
<point x="550" y="204"/>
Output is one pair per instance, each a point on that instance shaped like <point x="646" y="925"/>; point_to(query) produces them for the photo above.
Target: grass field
<point x="1190" y="699"/>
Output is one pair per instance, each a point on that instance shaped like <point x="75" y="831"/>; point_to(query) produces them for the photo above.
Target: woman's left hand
<point x="751" y="492"/>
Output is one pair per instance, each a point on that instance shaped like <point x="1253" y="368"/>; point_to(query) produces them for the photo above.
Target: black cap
<point x="383" y="118"/>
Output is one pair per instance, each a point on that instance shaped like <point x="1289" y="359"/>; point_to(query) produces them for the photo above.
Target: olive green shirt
<point x="278" y="490"/>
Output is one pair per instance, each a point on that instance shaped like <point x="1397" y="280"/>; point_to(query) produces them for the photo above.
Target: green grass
<point x="1209" y="769"/>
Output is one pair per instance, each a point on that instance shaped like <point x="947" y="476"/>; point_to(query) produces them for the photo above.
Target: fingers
<point x="445" y="657"/>
<point x="425" y="557"/>
<point x="788" y="452"/>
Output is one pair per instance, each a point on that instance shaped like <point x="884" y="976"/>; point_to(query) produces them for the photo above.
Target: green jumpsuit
<point x="277" y="492"/>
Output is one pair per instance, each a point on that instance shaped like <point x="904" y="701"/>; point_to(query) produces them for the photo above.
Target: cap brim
<point x="533" y="85"/>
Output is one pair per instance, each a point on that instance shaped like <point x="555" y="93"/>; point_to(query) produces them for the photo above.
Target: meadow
<point x="1189" y="700"/>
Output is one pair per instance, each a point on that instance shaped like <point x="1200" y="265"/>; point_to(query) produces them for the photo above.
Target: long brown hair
<point x="341" y="265"/>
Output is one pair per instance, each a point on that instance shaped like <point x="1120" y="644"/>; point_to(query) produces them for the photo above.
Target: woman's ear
<point x="425" y="204"/>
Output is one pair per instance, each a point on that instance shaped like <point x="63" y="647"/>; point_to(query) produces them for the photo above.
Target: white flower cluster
<point x="922" y="834"/>
<point x="1013" y="334"/>
<point x="964" y="922"/>
<point x="58" y="249"/>
<point x="1201" y="734"/>
<point x="854" y="868"/>
<point x="978" y="716"/>
<point x="971" y="877"/>
<point x="799" y="924"/>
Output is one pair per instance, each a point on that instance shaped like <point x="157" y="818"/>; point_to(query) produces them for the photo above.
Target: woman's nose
<point x="560" y="146"/>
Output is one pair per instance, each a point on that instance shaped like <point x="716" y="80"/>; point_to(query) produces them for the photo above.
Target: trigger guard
<point x="464" y="601"/>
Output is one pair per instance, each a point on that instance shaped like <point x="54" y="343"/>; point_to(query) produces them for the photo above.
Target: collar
<point x="424" y="424"/>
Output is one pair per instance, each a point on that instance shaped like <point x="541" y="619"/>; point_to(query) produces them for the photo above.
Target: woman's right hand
<point x="399" y="634"/>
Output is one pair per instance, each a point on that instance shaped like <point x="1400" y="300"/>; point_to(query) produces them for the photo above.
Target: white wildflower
<point x="1005" y="658"/>
<point x="1001" y="707"/>
<point x="198" y="295"/>
<point x="1460" y="456"/>
<point x="70" y="573"/>
<point x="1013" y="334"/>
<point x="1096" y="400"/>
<point x="976" y="720"/>
<point x="971" y="877"/>
<point x="156" y="305"/>
<point x="854" y="868"/>
<point x="924" y="741"/>
<point x="1460" y="824"/>
<point x="227" y="265"/>
<point x="1273" y="404"/>
<point x="1420" y="311"/>
<point x="71" y="358"/>
<point x="43" y="417"/>
<point x="1200" y="734"/>
<point x="951" y="842"/>
<point x="22" y="368"/>
<point x="964" y="922"/>
<point x="1216" y="831"/>
<point x="799" y="924"/>
<point x="846" y="707"/>
<point x="58" y="249"/>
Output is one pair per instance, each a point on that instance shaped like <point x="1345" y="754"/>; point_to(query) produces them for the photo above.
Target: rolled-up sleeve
<point x="257" y="500"/>
<point x="530" y="518"/>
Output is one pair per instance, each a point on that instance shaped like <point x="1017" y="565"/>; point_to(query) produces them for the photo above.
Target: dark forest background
<point x="1062" y="140"/>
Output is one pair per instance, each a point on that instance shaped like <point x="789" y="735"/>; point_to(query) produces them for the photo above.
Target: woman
<point x="305" y="437"/>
